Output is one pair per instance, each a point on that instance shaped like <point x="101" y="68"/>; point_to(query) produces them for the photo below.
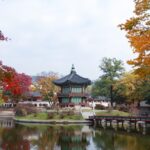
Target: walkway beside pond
<point x="127" y="122"/>
<point x="87" y="114"/>
<point x="7" y="113"/>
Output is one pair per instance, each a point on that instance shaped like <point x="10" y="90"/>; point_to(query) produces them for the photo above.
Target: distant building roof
<point x="35" y="78"/>
<point x="35" y="94"/>
<point x="72" y="78"/>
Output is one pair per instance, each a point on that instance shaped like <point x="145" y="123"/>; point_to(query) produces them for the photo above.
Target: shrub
<point x="61" y="116"/>
<point x="50" y="115"/>
<point x="68" y="112"/>
<point x="99" y="106"/>
<point x="71" y="112"/>
<point x="25" y="109"/>
<point x="122" y="108"/>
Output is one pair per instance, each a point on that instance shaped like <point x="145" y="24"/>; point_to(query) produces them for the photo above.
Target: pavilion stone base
<point x="73" y="105"/>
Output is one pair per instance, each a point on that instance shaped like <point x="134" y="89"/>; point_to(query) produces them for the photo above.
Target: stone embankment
<point x="7" y="113"/>
<point x="53" y="121"/>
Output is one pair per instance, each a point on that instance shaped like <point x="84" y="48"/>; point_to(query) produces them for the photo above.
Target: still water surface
<point x="69" y="137"/>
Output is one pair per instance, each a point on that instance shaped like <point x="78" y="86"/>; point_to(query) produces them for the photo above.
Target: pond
<point x="69" y="137"/>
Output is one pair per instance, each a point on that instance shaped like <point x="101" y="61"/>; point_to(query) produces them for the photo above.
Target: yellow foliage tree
<point x="138" y="33"/>
<point x="129" y="82"/>
<point x="133" y="88"/>
<point x="46" y="87"/>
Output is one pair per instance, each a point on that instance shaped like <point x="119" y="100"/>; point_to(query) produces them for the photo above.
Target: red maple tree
<point x="16" y="84"/>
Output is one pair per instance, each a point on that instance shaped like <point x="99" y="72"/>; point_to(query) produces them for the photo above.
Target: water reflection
<point x="6" y="122"/>
<point x="110" y="140"/>
<point x="31" y="137"/>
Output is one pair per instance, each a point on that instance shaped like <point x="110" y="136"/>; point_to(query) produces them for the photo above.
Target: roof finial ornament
<point x="73" y="69"/>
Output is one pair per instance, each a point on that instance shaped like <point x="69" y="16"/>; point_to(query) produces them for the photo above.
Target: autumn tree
<point x="133" y="88"/>
<point x="129" y="83"/>
<point x="6" y="75"/>
<point x="12" y="83"/>
<point x="5" y="71"/>
<point x="45" y="86"/>
<point x="138" y="33"/>
<point x="18" y="85"/>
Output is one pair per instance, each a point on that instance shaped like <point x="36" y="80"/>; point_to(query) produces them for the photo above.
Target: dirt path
<point x="8" y="113"/>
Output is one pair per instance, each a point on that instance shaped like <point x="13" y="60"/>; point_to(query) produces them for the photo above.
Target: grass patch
<point x="73" y="117"/>
<point x="54" y="116"/>
<point x="37" y="116"/>
<point x="86" y="110"/>
<point x="111" y="113"/>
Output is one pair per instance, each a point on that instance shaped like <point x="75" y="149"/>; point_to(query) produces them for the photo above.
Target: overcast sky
<point x="51" y="35"/>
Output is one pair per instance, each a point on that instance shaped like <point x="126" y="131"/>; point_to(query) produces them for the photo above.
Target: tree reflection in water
<point x="112" y="140"/>
<point x="69" y="137"/>
<point x="12" y="139"/>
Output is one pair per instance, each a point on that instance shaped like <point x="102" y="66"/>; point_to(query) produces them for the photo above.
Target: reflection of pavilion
<point x="65" y="140"/>
<point x="75" y="139"/>
<point x="6" y="123"/>
<point x="60" y="138"/>
<point x="70" y="141"/>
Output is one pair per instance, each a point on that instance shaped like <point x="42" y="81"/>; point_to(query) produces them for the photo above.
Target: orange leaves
<point x="141" y="6"/>
<point x="46" y="87"/>
<point x="132" y="22"/>
<point x="138" y="33"/>
<point x="143" y="72"/>
<point x="140" y="43"/>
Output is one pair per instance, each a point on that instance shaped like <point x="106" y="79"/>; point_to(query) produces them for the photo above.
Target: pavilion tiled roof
<point x="73" y="78"/>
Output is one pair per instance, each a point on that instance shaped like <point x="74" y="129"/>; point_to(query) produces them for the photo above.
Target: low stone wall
<point x="53" y="121"/>
<point x="7" y="113"/>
